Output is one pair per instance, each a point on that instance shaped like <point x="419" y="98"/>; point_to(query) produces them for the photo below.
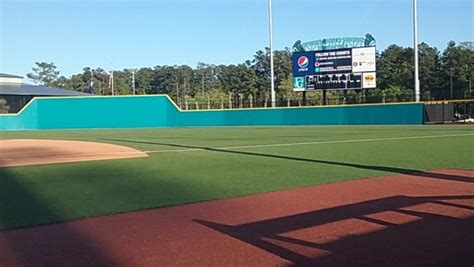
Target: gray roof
<point x="4" y="75"/>
<point x="33" y="90"/>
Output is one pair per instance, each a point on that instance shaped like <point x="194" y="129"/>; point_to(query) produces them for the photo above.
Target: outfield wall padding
<point x="160" y="111"/>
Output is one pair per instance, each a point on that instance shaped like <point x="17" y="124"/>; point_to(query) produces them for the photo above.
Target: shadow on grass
<point x="26" y="247"/>
<point x="350" y="235"/>
<point x="48" y="194"/>
<point x="414" y="172"/>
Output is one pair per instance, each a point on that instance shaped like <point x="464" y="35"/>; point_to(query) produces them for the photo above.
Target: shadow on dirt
<point x="429" y="238"/>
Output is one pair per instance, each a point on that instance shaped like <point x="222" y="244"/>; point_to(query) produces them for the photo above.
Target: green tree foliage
<point x="238" y="79"/>
<point x="398" y="94"/>
<point x="123" y="82"/>
<point x="79" y="82"/>
<point x="395" y="78"/>
<point x="429" y="69"/>
<point x="357" y="96"/>
<point x="437" y="72"/>
<point x="164" y="81"/>
<point x="185" y="76"/>
<point x="143" y="80"/>
<point x="457" y="66"/>
<point x="100" y="77"/>
<point x="395" y="67"/>
<point x="285" y="90"/>
<point x="206" y="77"/>
<point x="215" y="98"/>
<point x="261" y="66"/>
<point x="43" y="73"/>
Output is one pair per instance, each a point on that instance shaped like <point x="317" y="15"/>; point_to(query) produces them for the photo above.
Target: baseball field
<point x="191" y="165"/>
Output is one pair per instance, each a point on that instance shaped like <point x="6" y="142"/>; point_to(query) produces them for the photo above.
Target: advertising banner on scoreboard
<point x="363" y="59"/>
<point x="369" y="80"/>
<point x="303" y="63"/>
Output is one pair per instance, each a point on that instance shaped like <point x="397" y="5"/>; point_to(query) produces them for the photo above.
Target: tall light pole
<point x="111" y="82"/>
<point x="272" y="79"/>
<point x="113" y="85"/>
<point x="415" y="46"/>
<point x="90" y="87"/>
<point x="133" y="81"/>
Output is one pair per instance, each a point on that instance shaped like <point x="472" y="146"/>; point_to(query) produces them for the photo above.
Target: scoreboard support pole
<point x="304" y="98"/>
<point x="325" y="99"/>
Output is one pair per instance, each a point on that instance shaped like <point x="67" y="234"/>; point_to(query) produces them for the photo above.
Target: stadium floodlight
<point x="272" y="78"/>
<point x="415" y="46"/>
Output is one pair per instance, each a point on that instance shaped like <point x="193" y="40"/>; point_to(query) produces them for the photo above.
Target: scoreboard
<point x="336" y="69"/>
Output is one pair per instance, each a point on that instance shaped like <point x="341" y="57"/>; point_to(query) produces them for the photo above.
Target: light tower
<point x="133" y="81"/>
<point x="272" y="78"/>
<point x="415" y="46"/>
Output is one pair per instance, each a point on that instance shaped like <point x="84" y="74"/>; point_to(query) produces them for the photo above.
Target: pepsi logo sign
<point x="303" y="62"/>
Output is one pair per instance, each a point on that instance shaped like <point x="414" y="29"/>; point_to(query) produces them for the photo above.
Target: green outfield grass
<point x="50" y="193"/>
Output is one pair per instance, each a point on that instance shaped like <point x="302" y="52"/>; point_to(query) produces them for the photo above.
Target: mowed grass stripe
<point x="153" y="139"/>
<point x="308" y="143"/>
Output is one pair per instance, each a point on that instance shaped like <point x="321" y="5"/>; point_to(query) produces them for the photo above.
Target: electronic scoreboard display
<point x="337" y="69"/>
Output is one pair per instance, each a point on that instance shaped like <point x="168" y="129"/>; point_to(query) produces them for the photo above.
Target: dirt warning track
<point x="423" y="219"/>
<point x="22" y="152"/>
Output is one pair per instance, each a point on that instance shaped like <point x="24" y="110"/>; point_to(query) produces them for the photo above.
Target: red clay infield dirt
<point x="423" y="219"/>
<point x="23" y="152"/>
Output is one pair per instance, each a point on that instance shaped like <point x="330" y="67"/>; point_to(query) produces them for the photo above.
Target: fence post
<point x="222" y="102"/>
<point x="208" y="102"/>
<point x="443" y="111"/>
<point x="465" y="116"/>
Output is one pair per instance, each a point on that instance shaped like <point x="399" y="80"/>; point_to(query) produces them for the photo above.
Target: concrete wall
<point x="160" y="111"/>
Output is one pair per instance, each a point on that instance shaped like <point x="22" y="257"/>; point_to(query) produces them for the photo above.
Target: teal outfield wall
<point x="160" y="111"/>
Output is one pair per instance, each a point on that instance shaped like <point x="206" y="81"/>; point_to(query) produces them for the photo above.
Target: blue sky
<point x="129" y="34"/>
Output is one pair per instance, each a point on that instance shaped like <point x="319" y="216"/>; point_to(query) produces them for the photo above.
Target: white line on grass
<point x="307" y="143"/>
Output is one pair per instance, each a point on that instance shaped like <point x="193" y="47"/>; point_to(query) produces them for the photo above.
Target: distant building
<point x="17" y="94"/>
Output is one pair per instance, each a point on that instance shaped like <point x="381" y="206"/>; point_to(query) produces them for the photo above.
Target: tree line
<point x="443" y="75"/>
